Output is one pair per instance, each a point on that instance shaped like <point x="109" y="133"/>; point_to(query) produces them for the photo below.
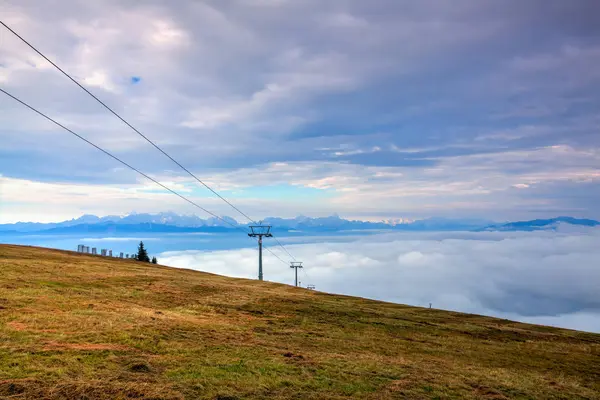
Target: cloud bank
<point x="368" y="109"/>
<point x="539" y="277"/>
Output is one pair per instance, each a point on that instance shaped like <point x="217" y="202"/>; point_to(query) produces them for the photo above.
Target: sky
<point x="372" y="110"/>
<point x="514" y="275"/>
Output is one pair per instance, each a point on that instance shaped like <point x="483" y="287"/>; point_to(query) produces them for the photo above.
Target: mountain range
<point x="172" y="222"/>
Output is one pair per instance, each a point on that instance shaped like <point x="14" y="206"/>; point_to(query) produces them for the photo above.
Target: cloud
<point x="118" y="239"/>
<point x="425" y="99"/>
<point x="343" y="20"/>
<point x="499" y="185"/>
<point x="540" y="277"/>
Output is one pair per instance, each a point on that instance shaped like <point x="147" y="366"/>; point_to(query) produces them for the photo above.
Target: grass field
<point x="76" y="326"/>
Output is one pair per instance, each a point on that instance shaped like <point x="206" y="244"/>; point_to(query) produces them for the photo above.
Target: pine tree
<point x="142" y="254"/>
<point x="154" y="261"/>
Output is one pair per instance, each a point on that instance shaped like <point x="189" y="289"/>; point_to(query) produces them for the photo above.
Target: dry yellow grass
<point x="75" y="326"/>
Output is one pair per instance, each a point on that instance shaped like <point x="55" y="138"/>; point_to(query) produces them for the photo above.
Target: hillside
<point x="76" y="326"/>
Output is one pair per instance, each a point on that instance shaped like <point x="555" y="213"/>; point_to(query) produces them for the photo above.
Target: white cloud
<point x="118" y="239"/>
<point x="480" y="185"/>
<point x="231" y="89"/>
<point x="344" y="20"/>
<point x="24" y="200"/>
<point x="540" y="277"/>
<point x="99" y="79"/>
<point x="166" y="34"/>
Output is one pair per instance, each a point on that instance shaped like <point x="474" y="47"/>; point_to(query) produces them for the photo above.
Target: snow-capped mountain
<point x="398" y="221"/>
<point x="170" y="221"/>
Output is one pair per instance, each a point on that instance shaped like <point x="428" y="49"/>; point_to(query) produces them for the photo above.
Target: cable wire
<point x="306" y="275"/>
<point x="286" y="250"/>
<point x="275" y="255"/>
<point x="130" y="166"/>
<point x="138" y="132"/>
<point x="123" y="120"/>
<point x="118" y="159"/>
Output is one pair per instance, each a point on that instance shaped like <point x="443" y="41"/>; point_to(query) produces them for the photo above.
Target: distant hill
<point x="77" y="326"/>
<point x="542" y="224"/>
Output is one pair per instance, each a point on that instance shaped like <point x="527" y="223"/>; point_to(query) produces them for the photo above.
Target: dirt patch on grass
<point x="399" y="385"/>
<point x="485" y="392"/>
<point x="139" y="366"/>
<point x="49" y="346"/>
<point x="17" y="326"/>
<point x="32" y="389"/>
<point x="12" y="388"/>
<point x="20" y="326"/>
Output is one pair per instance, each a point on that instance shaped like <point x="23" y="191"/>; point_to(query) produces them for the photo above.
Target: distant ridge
<point x="542" y="224"/>
<point x="164" y="218"/>
<point x="172" y="222"/>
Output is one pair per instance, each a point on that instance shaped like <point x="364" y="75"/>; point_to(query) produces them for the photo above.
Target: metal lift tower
<point x="296" y="265"/>
<point x="260" y="231"/>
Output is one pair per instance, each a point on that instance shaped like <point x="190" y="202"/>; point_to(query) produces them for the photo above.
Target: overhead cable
<point x="138" y="132"/>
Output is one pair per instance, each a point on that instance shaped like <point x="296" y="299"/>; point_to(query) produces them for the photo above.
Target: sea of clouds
<point x="550" y="278"/>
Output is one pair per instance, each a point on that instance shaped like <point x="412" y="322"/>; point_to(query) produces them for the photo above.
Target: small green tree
<point x="154" y="261"/>
<point x="142" y="254"/>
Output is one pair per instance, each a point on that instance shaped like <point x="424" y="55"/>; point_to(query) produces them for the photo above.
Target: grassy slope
<point x="78" y="326"/>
